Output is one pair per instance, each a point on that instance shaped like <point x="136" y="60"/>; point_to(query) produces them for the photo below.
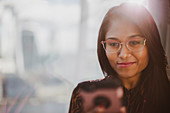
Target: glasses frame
<point x="121" y="43"/>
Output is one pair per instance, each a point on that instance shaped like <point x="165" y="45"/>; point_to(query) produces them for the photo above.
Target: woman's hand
<point x="101" y="109"/>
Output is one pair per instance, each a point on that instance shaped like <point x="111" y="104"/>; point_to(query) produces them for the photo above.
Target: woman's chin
<point x="127" y="75"/>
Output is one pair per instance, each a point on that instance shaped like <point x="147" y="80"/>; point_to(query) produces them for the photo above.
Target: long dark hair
<point x="153" y="81"/>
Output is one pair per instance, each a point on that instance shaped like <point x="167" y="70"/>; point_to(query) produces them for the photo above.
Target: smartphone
<point x="102" y="94"/>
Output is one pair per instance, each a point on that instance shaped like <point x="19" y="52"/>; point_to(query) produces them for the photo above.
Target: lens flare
<point x="140" y="2"/>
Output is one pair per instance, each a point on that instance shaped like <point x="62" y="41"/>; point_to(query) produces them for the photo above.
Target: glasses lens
<point x="136" y="44"/>
<point x="111" y="46"/>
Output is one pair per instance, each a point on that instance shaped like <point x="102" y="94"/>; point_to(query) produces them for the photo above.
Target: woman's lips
<point x="126" y="64"/>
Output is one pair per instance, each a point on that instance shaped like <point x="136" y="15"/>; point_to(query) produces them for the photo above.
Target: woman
<point x="130" y="50"/>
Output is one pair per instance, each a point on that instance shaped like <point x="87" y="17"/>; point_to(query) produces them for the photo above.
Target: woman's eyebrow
<point x="133" y="36"/>
<point x="113" y="38"/>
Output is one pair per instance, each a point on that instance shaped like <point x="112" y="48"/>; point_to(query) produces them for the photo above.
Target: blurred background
<point x="48" y="46"/>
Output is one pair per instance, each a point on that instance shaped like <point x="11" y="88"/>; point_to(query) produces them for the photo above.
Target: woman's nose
<point x="124" y="52"/>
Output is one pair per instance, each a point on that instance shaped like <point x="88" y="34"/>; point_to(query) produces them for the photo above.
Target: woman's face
<point x="125" y="62"/>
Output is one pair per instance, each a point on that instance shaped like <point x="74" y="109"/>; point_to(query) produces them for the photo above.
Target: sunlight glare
<point x="140" y="2"/>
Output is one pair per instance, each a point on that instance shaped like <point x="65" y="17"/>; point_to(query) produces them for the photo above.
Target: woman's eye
<point x="132" y="43"/>
<point x="114" y="44"/>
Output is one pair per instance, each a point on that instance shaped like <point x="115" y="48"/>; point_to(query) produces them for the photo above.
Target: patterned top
<point x="76" y="102"/>
<point x="134" y="100"/>
<point x="128" y="100"/>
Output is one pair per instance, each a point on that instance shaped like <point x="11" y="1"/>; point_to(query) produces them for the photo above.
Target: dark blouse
<point x="76" y="102"/>
<point x="133" y="99"/>
<point x="128" y="100"/>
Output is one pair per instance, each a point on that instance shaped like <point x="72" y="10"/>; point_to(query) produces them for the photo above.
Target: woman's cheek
<point x="112" y="60"/>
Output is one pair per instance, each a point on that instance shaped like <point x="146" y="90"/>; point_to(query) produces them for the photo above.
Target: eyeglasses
<point x="133" y="44"/>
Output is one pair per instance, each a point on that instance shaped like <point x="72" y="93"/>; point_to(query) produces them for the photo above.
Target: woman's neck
<point x="130" y="83"/>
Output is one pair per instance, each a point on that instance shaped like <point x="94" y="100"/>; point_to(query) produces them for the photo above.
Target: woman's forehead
<point x="122" y="28"/>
